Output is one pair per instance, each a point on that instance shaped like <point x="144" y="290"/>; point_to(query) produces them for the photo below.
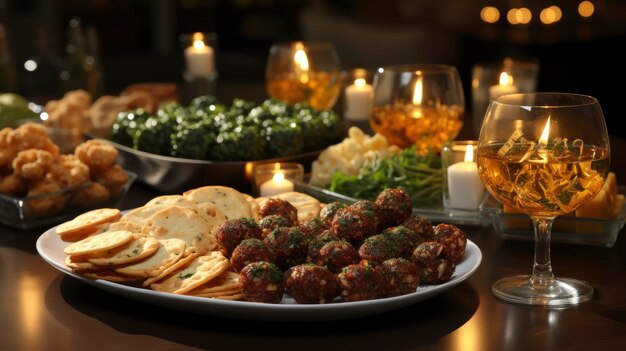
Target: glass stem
<point x="542" y="276"/>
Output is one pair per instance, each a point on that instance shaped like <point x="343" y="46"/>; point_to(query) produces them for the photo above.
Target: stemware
<point x="544" y="155"/>
<point x="306" y="72"/>
<point x="419" y="104"/>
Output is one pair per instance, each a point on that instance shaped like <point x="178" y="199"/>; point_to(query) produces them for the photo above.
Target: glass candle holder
<point x="304" y="72"/>
<point x="493" y="79"/>
<point x="462" y="187"/>
<point x="199" y="55"/>
<point x="274" y="178"/>
<point x="358" y="94"/>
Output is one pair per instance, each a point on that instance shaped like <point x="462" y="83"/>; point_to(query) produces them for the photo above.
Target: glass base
<point x="559" y="292"/>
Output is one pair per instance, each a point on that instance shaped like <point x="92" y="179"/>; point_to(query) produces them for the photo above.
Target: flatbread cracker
<point x="140" y="215"/>
<point x="99" y="243"/>
<point x="254" y="206"/>
<point x="168" y="253"/>
<point x="87" y="222"/>
<point x="200" y="271"/>
<point x="167" y="270"/>
<point x="224" y="282"/>
<point x="134" y="251"/>
<point x="178" y="200"/>
<point x="232" y="203"/>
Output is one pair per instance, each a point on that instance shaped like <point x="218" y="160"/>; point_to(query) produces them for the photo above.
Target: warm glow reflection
<point x="506" y="79"/>
<point x="490" y="14"/>
<point x="198" y="40"/>
<point x="547" y="16"/>
<point x="511" y="16"/>
<point x="524" y="15"/>
<point x="359" y="82"/>
<point x="586" y="9"/>
<point x="278" y="177"/>
<point x="543" y="140"/>
<point x="418" y="91"/>
<point x="302" y="62"/>
<point x="31" y="305"/>
<point x="469" y="154"/>
<point x="557" y="12"/>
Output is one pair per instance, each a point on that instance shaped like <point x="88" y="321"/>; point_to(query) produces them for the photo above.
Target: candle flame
<point x="543" y="140"/>
<point x="302" y="62"/>
<point x="359" y="82"/>
<point x="469" y="153"/>
<point x="506" y="79"/>
<point x="278" y="177"/>
<point x="418" y="91"/>
<point x="198" y="40"/>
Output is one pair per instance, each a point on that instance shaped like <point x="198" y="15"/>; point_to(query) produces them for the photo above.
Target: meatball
<point x="312" y="228"/>
<point x="328" y="212"/>
<point x="361" y="281"/>
<point x="248" y="251"/>
<point x="275" y="206"/>
<point x="271" y="222"/>
<point x="422" y="226"/>
<point x="309" y="283"/>
<point x="454" y="238"/>
<point x="405" y="239"/>
<point x="230" y="233"/>
<point x="402" y="276"/>
<point x="372" y="209"/>
<point x="288" y="245"/>
<point x="316" y="244"/>
<point x="262" y="282"/>
<point x="395" y="207"/>
<point x="434" y="264"/>
<point x="337" y="254"/>
<point x="353" y="225"/>
<point x="379" y="248"/>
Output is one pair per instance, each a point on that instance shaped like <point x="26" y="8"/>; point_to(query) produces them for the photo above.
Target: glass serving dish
<point x="47" y="209"/>
<point x="566" y="229"/>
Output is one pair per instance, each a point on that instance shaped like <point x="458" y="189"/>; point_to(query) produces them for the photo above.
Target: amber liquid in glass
<point x="430" y="127"/>
<point x="318" y="89"/>
<point x="546" y="183"/>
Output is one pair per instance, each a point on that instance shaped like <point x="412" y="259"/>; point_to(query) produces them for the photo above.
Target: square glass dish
<point x="566" y="229"/>
<point x="47" y="209"/>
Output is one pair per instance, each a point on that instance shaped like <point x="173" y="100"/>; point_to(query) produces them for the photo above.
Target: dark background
<point x="138" y="39"/>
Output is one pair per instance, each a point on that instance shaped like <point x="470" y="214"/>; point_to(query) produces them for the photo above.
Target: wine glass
<point x="304" y="72"/>
<point x="543" y="154"/>
<point x="419" y="104"/>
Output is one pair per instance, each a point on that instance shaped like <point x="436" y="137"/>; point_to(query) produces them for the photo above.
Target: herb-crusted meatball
<point x="337" y="254"/>
<point x="362" y="281"/>
<point x="328" y="212"/>
<point x="395" y="206"/>
<point x="354" y="225"/>
<point x="402" y="276"/>
<point x="230" y="233"/>
<point x="309" y="283"/>
<point x="404" y="238"/>
<point x="262" y="282"/>
<point x="280" y="207"/>
<point x="248" y="251"/>
<point x="379" y="248"/>
<point x="271" y="222"/>
<point x="422" y="226"/>
<point x="288" y="245"/>
<point x="434" y="263"/>
<point x="316" y="244"/>
<point x="312" y="228"/>
<point x="454" y="238"/>
<point x="372" y="209"/>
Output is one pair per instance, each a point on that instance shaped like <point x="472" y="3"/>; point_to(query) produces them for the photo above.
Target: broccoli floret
<point x="283" y="139"/>
<point x="192" y="141"/>
<point x="155" y="134"/>
<point x="239" y="144"/>
<point x="203" y="102"/>
<point x="126" y="126"/>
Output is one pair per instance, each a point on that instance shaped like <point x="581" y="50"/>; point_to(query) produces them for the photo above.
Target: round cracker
<point x="232" y="203"/>
<point x="88" y="222"/>
<point x="178" y="200"/>
<point x="140" y="215"/>
<point x="167" y="270"/>
<point x="224" y="282"/>
<point x="200" y="271"/>
<point x="254" y="206"/>
<point x="78" y="263"/>
<point x="168" y="253"/>
<point x="99" y="243"/>
<point x="134" y="251"/>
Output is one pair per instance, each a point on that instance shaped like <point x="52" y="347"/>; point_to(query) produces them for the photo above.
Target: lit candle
<point x="359" y="100"/>
<point x="199" y="57"/>
<point x="418" y="95"/>
<point x="277" y="185"/>
<point x="505" y="87"/>
<point x="464" y="185"/>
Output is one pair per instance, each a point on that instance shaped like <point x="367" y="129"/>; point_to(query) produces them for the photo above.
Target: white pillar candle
<point x="464" y="185"/>
<point x="277" y="185"/>
<point x="505" y="87"/>
<point x="359" y="98"/>
<point x="199" y="58"/>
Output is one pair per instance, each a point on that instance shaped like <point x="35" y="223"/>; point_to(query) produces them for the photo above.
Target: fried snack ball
<point x="13" y="185"/>
<point x="7" y="149"/>
<point x="271" y="222"/>
<point x="328" y="212"/>
<point x="68" y="171"/>
<point x="280" y="207"/>
<point x="113" y="178"/>
<point x="308" y="283"/>
<point x="395" y="206"/>
<point x="288" y="245"/>
<point x="248" y="251"/>
<point x="99" y="155"/>
<point x="454" y="238"/>
<point x="354" y="225"/>
<point x="337" y="254"/>
<point x="402" y="276"/>
<point x="44" y="205"/>
<point x="232" y="232"/>
<point x="32" y="164"/>
<point x="92" y="194"/>
<point x="435" y="265"/>
<point x="32" y="136"/>
<point x="312" y="228"/>
<point x="362" y="281"/>
<point x="262" y="282"/>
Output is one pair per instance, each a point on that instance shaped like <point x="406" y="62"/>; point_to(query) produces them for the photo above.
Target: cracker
<point x="254" y="206"/>
<point x="220" y="294"/>
<point x="78" y="263"/>
<point x="167" y="270"/>
<point x="134" y="251"/>
<point x="99" y="243"/>
<point x="132" y="227"/>
<point x="185" y="224"/>
<point x="178" y="200"/>
<point x="87" y="222"/>
<point x="232" y="203"/>
<point x="140" y="215"/>
<point x="168" y="253"/>
<point x="200" y="271"/>
<point x="224" y="282"/>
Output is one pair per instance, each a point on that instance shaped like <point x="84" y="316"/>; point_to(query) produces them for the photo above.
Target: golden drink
<point x="543" y="182"/>
<point x="318" y="89"/>
<point x="430" y="127"/>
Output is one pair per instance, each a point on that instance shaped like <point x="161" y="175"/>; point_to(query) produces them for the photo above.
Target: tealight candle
<point x="277" y="185"/>
<point x="359" y="98"/>
<point x="465" y="188"/>
<point x="505" y="87"/>
<point x="199" y="57"/>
